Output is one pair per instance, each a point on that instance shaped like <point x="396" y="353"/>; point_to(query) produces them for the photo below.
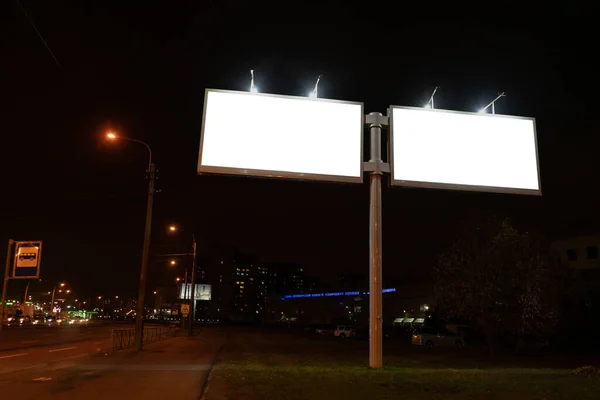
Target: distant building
<point x="580" y="253"/>
<point x="409" y="301"/>
<point x="239" y="285"/>
<point x="286" y="278"/>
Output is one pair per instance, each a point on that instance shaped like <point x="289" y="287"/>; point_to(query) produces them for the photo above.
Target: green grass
<point x="278" y="367"/>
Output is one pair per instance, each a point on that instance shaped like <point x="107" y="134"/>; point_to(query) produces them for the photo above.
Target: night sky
<point x="142" y="68"/>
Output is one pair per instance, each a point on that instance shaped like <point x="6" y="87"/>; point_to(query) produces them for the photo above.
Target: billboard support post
<point x="192" y="290"/>
<point x="375" y="121"/>
<point x="5" y="282"/>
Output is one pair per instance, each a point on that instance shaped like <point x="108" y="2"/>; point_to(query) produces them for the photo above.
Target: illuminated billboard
<point x="464" y="151"/>
<point x="202" y="292"/>
<point x="281" y="136"/>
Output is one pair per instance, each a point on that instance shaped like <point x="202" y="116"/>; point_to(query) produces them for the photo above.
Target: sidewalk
<point x="172" y="369"/>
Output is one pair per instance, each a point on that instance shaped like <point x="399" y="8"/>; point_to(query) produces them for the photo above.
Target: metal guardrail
<point x="125" y="338"/>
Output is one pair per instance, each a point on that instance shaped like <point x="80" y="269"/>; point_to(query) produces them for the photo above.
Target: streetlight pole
<point x="26" y="292"/>
<point x="140" y="309"/>
<point x="140" y="312"/>
<point x="5" y="284"/>
<point x="193" y="291"/>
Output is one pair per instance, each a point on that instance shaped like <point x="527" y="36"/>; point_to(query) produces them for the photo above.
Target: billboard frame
<point x="39" y="258"/>
<point x="461" y="187"/>
<point x="204" y="170"/>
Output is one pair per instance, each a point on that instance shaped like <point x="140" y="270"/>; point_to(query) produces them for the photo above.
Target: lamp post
<point x="140" y="311"/>
<point x="173" y="228"/>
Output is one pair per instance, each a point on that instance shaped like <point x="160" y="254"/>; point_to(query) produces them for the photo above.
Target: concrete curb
<point x="206" y="384"/>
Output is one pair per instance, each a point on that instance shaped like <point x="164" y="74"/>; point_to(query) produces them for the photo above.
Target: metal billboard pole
<point x="375" y="121"/>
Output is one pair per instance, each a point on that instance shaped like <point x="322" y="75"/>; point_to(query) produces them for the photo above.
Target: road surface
<point x="26" y="348"/>
<point x="175" y="368"/>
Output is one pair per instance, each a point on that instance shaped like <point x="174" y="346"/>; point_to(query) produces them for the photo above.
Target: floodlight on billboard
<point x="464" y="151"/>
<point x="281" y="136"/>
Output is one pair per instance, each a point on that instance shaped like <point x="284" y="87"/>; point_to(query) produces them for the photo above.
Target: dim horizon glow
<point x="454" y="148"/>
<point x="281" y="134"/>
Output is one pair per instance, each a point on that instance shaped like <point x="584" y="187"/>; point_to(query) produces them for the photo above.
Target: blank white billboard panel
<point x="464" y="151"/>
<point x="281" y="136"/>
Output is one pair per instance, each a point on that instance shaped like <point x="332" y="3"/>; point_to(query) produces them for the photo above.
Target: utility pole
<point x="26" y="291"/>
<point x="5" y="284"/>
<point x="193" y="291"/>
<point x="140" y="312"/>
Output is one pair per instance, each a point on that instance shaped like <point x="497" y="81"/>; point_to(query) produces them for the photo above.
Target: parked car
<point x="343" y="331"/>
<point x="430" y="337"/>
<point x="325" y="330"/>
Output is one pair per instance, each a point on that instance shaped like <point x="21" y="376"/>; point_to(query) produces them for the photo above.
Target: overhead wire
<point x="41" y="37"/>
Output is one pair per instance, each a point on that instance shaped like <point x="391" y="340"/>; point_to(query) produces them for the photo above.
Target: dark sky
<point x="141" y="68"/>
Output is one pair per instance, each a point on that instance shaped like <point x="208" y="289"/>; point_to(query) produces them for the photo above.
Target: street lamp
<point x="173" y="262"/>
<point x="139" y="318"/>
<point x="173" y="228"/>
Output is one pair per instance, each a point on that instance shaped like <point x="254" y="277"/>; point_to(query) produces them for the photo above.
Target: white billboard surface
<point x="281" y="136"/>
<point x="202" y="292"/>
<point x="464" y="151"/>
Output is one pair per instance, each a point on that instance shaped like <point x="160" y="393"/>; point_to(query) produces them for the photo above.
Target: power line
<point x="41" y="37"/>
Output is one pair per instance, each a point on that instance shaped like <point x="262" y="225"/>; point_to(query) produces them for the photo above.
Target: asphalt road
<point x="25" y="348"/>
<point x="175" y="368"/>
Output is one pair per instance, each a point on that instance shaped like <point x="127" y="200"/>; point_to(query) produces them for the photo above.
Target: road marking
<point x="30" y="341"/>
<point x="72" y="357"/>
<point x="63" y="349"/>
<point x="42" y="379"/>
<point x="15" y="355"/>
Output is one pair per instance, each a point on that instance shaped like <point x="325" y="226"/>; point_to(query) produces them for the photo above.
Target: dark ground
<point x="261" y="364"/>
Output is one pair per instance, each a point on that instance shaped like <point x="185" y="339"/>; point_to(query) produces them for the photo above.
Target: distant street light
<point x="140" y="311"/>
<point x="173" y="228"/>
<point x="173" y="262"/>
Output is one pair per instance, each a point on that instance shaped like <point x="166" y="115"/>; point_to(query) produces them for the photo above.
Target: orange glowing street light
<point x="173" y="262"/>
<point x="172" y="228"/>
<point x="62" y="285"/>
<point x="139" y="318"/>
<point x="177" y="279"/>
